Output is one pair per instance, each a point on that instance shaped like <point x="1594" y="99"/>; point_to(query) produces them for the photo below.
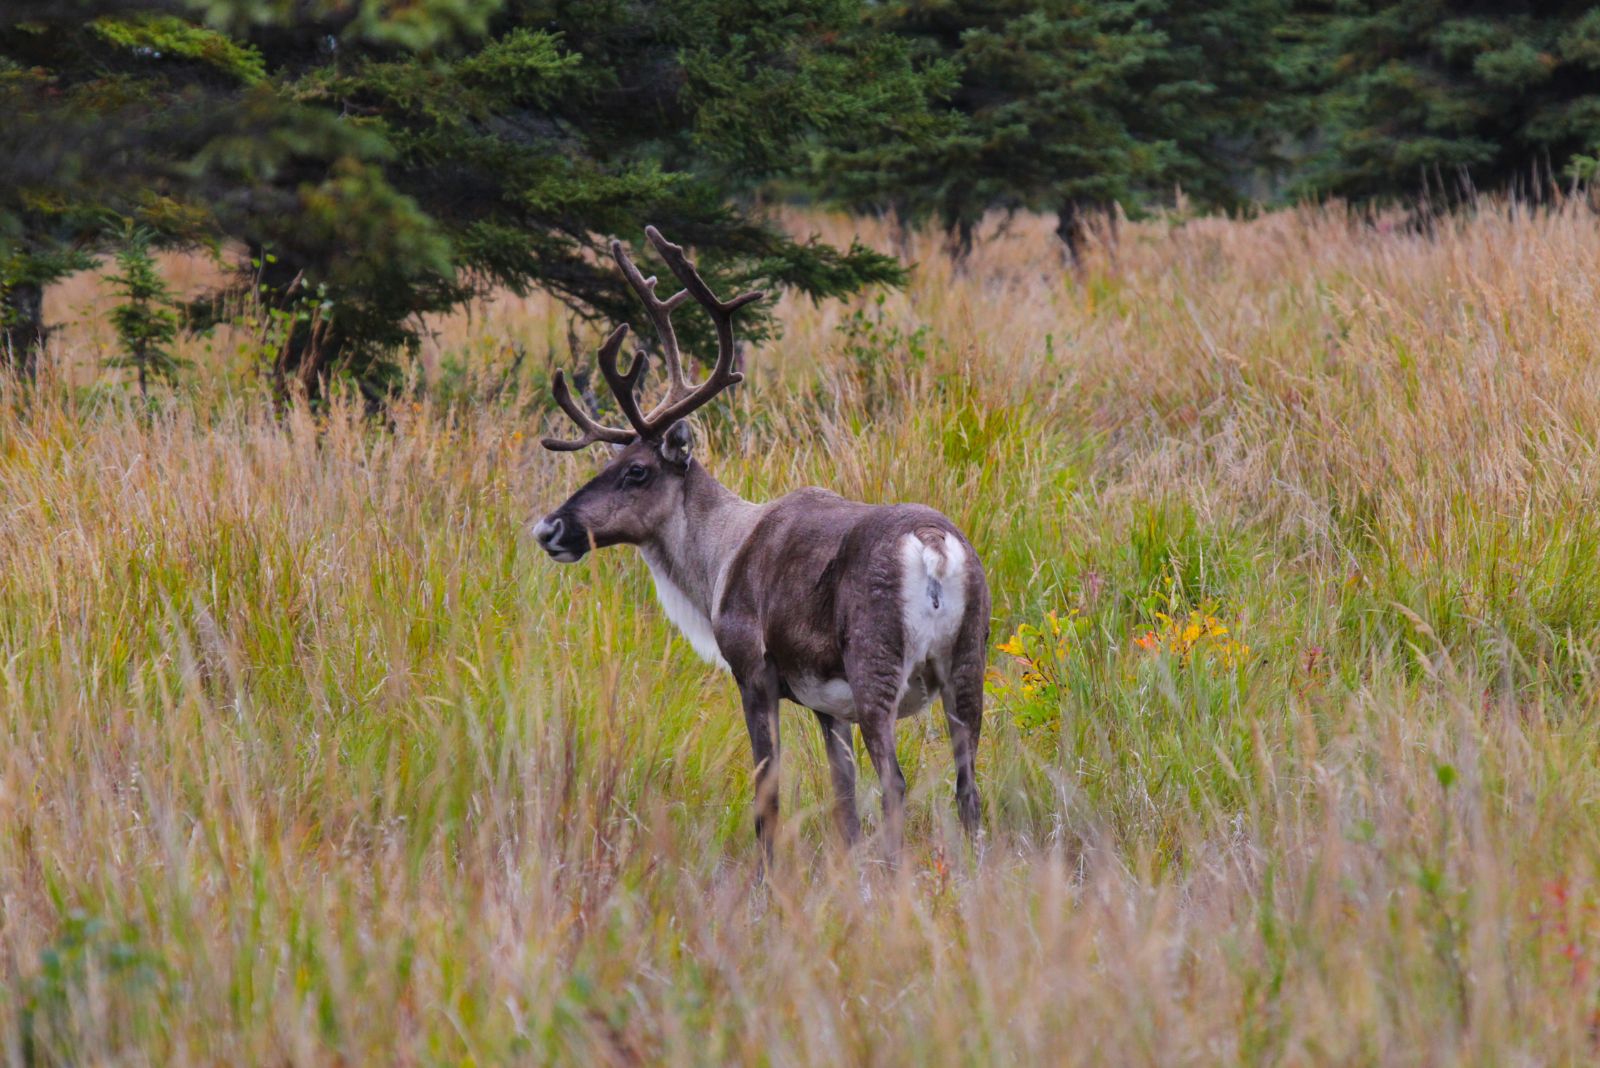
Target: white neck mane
<point x="690" y="558"/>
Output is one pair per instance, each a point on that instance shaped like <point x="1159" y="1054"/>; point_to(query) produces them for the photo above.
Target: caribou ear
<point x="677" y="443"/>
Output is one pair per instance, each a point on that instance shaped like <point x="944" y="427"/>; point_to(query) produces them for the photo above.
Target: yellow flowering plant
<point x="1199" y="634"/>
<point x="1041" y="654"/>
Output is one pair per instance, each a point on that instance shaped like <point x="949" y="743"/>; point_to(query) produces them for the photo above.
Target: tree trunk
<point x="1072" y="227"/>
<point x="1074" y="221"/>
<point x="959" y="238"/>
<point x="901" y="224"/>
<point x="22" y="328"/>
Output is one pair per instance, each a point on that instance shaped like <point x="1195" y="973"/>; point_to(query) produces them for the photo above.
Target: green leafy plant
<point x="879" y="351"/>
<point x="87" y="949"/>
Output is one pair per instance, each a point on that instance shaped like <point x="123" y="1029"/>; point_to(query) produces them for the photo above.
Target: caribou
<point x="861" y="613"/>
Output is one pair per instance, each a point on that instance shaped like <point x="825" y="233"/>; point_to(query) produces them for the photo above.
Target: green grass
<point x="308" y="757"/>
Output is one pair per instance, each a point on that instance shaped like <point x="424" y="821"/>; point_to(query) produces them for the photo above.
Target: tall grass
<point x="308" y="758"/>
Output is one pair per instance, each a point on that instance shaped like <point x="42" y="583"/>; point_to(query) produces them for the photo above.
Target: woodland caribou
<point x="861" y="613"/>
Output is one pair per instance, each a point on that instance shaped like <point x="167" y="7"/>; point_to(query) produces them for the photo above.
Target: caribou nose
<point x="547" y="532"/>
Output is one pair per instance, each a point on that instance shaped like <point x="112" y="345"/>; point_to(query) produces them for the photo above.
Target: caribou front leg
<point x="837" y="737"/>
<point x="759" y="693"/>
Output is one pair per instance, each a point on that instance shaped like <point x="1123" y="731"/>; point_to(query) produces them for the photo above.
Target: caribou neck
<point x="694" y="548"/>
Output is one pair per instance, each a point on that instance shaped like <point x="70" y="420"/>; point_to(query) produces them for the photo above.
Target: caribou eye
<point x="636" y="475"/>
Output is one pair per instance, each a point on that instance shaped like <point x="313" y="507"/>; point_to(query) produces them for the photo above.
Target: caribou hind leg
<point x="963" y="714"/>
<point x="875" y="671"/>
<point x="962" y="697"/>
<point x="875" y="687"/>
<point x="877" y="730"/>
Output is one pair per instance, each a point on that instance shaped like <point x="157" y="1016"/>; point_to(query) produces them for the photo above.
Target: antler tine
<point x="592" y="431"/>
<point x="625" y="386"/>
<point x="660" y="312"/>
<point x="681" y="400"/>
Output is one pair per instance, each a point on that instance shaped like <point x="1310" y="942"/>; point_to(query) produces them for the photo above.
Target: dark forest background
<point x="358" y="164"/>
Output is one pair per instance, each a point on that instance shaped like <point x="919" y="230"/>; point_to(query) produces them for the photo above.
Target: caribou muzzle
<point x="563" y="537"/>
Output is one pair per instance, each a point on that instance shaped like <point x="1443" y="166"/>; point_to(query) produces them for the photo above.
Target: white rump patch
<point x="694" y="624"/>
<point x="933" y="598"/>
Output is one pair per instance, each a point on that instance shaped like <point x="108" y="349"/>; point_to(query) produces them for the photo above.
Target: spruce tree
<point x="99" y="110"/>
<point x="1440" y="97"/>
<point x="146" y="318"/>
<point x="1216" y="90"/>
<point x="1072" y="107"/>
<point x="395" y="175"/>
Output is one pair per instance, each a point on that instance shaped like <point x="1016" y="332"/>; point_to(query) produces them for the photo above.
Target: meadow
<point x="307" y="755"/>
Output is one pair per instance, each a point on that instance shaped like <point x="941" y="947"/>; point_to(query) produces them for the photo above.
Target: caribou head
<point x="642" y="488"/>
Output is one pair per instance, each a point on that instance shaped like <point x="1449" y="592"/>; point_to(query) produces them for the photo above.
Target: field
<point x="1293" y="746"/>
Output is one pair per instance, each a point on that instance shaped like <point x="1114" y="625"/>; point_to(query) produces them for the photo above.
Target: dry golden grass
<point x="308" y="758"/>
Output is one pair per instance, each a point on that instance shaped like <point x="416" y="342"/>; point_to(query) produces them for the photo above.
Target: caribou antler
<point x="682" y="399"/>
<point x="593" y="432"/>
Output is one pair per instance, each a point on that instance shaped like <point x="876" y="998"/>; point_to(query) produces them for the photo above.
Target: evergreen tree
<point x="1032" y="89"/>
<point x="1072" y="106"/>
<point x="109" y="105"/>
<point x="1421" y="92"/>
<point x="395" y="178"/>
<point x="146" y="319"/>
<point x="1217" y="92"/>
